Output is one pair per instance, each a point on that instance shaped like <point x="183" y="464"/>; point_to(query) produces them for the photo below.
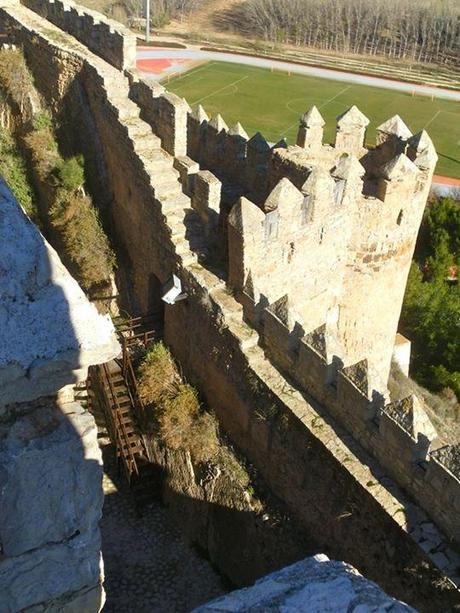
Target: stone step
<point x="173" y="212"/>
<point x="250" y="341"/>
<point x="166" y="191"/>
<point x="145" y="144"/>
<point x="177" y="232"/>
<point x="164" y="163"/>
<point x="188" y="258"/>
<point x="178" y="200"/>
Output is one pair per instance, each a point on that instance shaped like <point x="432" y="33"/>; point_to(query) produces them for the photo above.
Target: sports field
<point x="272" y="102"/>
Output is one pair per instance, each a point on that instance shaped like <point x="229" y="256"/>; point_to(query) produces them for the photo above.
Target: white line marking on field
<point x="431" y="120"/>
<point x="334" y="97"/>
<point x="219" y="90"/>
<point x="191" y="73"/>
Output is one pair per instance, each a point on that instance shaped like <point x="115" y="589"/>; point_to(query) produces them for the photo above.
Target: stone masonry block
<point x="48" y="572"/>
<point x="50" y="477"/>
<point x="187" y="169"/>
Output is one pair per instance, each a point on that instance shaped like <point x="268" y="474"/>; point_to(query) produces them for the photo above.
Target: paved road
<point x="326" y="73"/>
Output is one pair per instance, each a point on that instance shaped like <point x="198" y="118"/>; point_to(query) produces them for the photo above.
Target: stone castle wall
<point x="340" y="494"/>
<point x="108" y="38"/>
<point x="286" y="264"/>
<point x="348" y="228"/>
<point x="50" y="461"/>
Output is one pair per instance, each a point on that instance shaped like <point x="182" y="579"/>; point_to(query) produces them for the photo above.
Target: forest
<point x="414" y="30"/>
<point x="162" y="11"/>
<point x="426" y="31"/>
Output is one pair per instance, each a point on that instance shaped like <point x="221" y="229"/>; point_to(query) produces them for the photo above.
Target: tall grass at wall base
<point x="178" y="418"/>
<point x="158" y="375"/>
<point x="17" y="82"/>
<point x="85" y="243"/>
<point x="70" y="214"/>
<point x="13" y="170"/>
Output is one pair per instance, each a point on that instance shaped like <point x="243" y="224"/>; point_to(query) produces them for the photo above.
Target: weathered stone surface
<point x="49" y="330"/>
<point x="398" y="167"/>
<point x="50" y="463"/>
<point x="50" y="477"/>
<point x="410" y="415"/>
<point x="314" y="585"/>
<point x="92" y="599"/>
<point x="48" y="572"/>
<point x="449" y="456"/>
<point x="395" y="126"/>
<point x="106" y="37"/>
<point x="312" y="118"/>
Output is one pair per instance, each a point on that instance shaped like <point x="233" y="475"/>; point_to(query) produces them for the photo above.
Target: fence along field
<point x="272" y="101"/>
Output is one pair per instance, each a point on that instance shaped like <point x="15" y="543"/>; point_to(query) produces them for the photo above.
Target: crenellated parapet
<point x="360" y="216"/>
<point x="286" y="244"/>
<point x="334" y="227"/>
<point x="351" y="132"/>
<point x="229" y="151"/>
<point x="320" y="267"/>
<point x="319" y="247"/>
<point x="105" y="37"/>
<point x="399" y="434"/>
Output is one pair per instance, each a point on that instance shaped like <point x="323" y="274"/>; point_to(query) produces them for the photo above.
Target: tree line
<point x="415" y="30"/>
<point x="430" y="316"/>
<point x="161" y="11"/>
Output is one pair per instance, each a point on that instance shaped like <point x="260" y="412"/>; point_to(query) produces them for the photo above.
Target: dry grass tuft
<point x="71" y="215"/>
<point x="43" y="150"/>
<point x="158" y="375"/>
<point x="85" y="244"/>
<point x="182" y="423"/>
<point x="203" y="440"/>
<point x="14" y="172"/>
<point x="17" y="81"/>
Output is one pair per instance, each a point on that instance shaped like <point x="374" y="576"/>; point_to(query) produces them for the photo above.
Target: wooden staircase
<point x="120" y="419"/>
<point x="115" y="384"/>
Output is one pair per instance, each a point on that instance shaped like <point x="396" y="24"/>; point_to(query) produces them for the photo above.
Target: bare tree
<point x="422" y="30"/>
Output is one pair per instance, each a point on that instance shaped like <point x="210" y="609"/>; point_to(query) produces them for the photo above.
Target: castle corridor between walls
<point x="284" y="269"/>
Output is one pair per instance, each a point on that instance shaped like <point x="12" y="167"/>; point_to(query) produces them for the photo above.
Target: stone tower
<point x="337" y="233"/>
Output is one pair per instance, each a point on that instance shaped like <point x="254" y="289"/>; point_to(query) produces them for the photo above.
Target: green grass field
<point x="272" y="102"/>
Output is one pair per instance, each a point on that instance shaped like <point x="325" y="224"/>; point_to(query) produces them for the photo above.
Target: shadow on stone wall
<point x="50" y="463"/>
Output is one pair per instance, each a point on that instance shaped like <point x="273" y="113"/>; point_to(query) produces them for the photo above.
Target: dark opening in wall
<point x="156" y="306"/>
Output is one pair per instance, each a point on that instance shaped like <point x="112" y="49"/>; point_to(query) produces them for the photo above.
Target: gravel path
<point x="147" y="567"/>
<point x="144" y="53"/>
